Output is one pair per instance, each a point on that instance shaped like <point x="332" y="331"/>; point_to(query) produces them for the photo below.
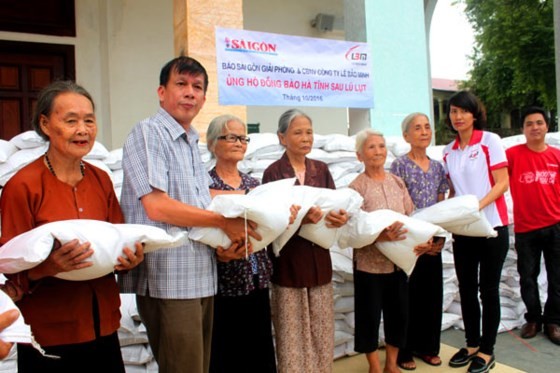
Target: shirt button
<point x="81" y="209"/>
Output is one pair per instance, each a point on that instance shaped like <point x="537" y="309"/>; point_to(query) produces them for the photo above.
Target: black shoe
<point x="461" y="358"/>
<point x="479" y="365"/>
<point x="530" y="329"/>
<point x="553" y="333"/>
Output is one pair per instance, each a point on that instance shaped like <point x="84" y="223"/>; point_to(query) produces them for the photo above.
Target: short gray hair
<point x="216" y="128"/>
<point x="363" y="135"/>
<point x="48" y="95"/>
<point x="409" y="118"/>
<point x="287" y="118"/>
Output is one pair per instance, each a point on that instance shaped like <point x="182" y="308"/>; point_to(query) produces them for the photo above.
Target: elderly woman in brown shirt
<point x="75" y="320"/>
<point x="302" y="293"/>
<point x="379" y="285"/>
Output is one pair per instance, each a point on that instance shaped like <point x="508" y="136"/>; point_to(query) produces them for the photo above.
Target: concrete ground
<point x="513" y="354"/>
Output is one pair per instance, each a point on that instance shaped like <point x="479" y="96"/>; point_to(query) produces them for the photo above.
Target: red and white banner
<point x="257" y="68"/>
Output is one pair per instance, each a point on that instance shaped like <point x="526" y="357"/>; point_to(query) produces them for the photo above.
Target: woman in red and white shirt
<point x="476" y="164"/>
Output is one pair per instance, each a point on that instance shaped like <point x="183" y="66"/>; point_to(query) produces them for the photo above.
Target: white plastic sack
<point x="402" y="252"/>
<point x="6" y="150"/>
<point x="114" y="159"/>
<point x="18" y="160"/>
<point x="365" y="227"/>
<point x="336" y="142"/>
<point x="330" y="199"/>
<point x="263" y="143"/>
<point x="332" y="157"/>
<point x="450" y="212"/>
<point x="98" y="151"/>
<point x="28" y="140"/>
<point x="342" y="265"/>
<point x="19" y="331"/>
<point x="267" y="205"/>
<point x="138" y="354"/>
<point x="458" y="215"/>
<point x="480" y="228"/>
<point x="107" y="240"/>
<point x="327" y="199"/>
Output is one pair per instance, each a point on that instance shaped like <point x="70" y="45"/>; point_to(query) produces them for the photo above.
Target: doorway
<point x="26" y="68"/>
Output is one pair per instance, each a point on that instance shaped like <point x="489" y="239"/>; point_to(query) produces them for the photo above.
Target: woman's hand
<point x="14" y="291"/>
<point x="130" y="259"/>
<point x="432" y="247"/>
<point x="313" y="216"/>
<point x="437" y="245"/>
<point x="234" y="252"/>
<point x="424" y="248"/>
<point x="294" y="209"/>
<point x="394" y="232"/>
<point x="336" y="219"/>
<point x="68" y="257"/>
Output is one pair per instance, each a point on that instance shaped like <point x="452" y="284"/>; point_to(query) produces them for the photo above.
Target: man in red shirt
<point x="535" y="188"/>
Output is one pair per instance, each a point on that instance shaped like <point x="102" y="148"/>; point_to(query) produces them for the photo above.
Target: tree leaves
<point x="513" y="62"/>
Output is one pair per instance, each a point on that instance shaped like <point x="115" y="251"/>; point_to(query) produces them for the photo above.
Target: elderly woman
<point x="379" y="286"/>
<point x="75" y="320"/>
<point x="302" y="293"/>
<point x="426" y="183"/>
<point x="242" y="305"/>
<point x="476" y="163"/>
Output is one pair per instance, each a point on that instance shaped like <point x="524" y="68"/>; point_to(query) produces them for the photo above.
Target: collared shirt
<point x="235" y="277"/>
<point x="391" y="194"/>
<point x="470" y="171"/>
<point x="535" y="187"/>
<point x="423" y="186"/>
<point x="159" y="154"/>
<point x="301" y="262"/>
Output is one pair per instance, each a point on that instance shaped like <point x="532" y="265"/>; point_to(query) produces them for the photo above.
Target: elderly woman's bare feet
<point x="394" y="369"/>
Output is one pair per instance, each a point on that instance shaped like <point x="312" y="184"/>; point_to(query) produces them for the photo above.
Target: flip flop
<point x="402" y="365"/>
<point x="433" y="360"/>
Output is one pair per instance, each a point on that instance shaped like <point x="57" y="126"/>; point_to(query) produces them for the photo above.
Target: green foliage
<point x="513" y="61"/>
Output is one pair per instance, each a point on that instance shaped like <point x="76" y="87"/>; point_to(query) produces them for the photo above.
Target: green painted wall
<point x="396" y="32"/>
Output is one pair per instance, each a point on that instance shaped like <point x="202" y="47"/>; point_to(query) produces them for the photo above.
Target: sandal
<point x="407" y="365"/>
<point x="433" y="360"/>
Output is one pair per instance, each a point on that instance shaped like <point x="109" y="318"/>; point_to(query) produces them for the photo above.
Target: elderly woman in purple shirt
<point x="242" y="306"/>
<point x="426" y="183"/>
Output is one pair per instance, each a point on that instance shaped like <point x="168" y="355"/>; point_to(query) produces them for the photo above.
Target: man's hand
<point x="235" y="230"/>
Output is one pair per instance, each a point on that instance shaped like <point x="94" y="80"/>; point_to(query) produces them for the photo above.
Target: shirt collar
<point x="475" y="139"/>
<point x="175" y="129"/>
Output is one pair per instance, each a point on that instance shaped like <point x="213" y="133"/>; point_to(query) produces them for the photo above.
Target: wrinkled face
<point x="535" y="128"/>
<point x="419" y="133"/>
<point x="231" y="151"/>
<point x="298" y="139"/>
<point x="461" y="119"/>
<point x="183" y="96"/>
<point x="373" y="153"/>
<point x="71" y="126"/>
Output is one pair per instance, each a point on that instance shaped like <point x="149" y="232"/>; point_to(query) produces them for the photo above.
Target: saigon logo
<point x="250" y="46"/>
<point x="357" y="54"/>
